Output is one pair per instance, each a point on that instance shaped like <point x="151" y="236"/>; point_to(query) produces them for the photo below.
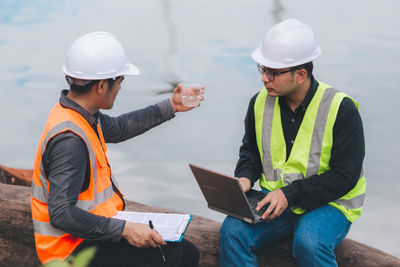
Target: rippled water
<point x="207" y="42"/>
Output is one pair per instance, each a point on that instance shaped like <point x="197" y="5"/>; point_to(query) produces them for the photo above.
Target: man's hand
<point x="176" y="99"/>
<point x="141" y="235"/>
<point x="245" y="183"/>
<point x="277" y="204"/>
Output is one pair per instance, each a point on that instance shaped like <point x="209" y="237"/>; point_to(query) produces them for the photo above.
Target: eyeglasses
<point x="271" y="74"/>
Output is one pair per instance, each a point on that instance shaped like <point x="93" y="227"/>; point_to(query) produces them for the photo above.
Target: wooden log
<point x="17" y="243"/>
<point x="17" y="247"/>
<point x="15" y="176"/>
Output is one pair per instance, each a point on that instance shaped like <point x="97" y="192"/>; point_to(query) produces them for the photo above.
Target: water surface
<point x="206" y="42"/>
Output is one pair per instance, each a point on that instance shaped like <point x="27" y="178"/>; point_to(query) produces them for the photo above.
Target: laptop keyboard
<point x="253" y="206"/>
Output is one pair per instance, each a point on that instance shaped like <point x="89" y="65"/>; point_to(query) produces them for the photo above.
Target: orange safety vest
<point x="101" y="198"/>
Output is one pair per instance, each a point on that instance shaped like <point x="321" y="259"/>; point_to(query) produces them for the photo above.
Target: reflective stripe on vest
<point x="52" y="242"/>
<point x="311" y="150"/>
<point x="87" y="205"/>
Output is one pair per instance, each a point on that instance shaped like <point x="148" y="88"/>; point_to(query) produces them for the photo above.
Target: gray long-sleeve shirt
<point x="66" y="163"/>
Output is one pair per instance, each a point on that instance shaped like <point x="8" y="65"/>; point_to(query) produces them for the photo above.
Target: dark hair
<point x="86" y="88"/>
<point x="307" y="66"/>
<point x="111" y="82"/>
<point x="80" y="90"/>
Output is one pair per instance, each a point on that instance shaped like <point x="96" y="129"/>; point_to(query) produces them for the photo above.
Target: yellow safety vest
<point x="311" y="150"/>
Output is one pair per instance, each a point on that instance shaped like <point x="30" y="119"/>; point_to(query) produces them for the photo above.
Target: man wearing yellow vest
<point x="304" y="142"/>
<point x="74" y="193"/>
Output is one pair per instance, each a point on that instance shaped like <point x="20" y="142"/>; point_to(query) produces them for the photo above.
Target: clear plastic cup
<point x="191" y="94"/>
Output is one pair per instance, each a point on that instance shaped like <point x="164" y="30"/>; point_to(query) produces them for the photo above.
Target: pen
<point x="162" y="252"/>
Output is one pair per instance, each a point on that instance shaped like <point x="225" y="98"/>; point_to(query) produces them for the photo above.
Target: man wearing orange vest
<point x="74" y="194"/>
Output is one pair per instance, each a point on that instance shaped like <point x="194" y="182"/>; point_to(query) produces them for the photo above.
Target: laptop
<point x="224" y="194"/>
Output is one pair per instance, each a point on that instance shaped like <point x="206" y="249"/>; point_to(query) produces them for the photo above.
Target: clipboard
<point x="171" y="226"/>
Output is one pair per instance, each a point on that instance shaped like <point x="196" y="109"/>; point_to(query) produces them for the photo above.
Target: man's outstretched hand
<point x="176" y="99"/>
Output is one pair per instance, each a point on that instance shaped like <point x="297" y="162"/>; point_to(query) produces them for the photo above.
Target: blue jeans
<point x="315" y="237"/>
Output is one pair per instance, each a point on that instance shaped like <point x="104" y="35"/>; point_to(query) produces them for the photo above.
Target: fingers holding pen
<point x="157" y="239"/>
<point x="153" y="240"/>
<point x="141" y="235"/>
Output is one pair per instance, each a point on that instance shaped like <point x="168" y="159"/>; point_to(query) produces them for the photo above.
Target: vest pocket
<point x="101" y="159"/>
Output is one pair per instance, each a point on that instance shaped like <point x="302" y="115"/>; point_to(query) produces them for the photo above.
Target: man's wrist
<point x="245" y="183"/>
<point x="248" y="174"/>
<point x="121" y="229"/>
<point x="290" y="193"/>
<point x="172" y="104"/>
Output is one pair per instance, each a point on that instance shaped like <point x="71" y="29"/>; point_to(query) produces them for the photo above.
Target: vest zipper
<point x="116" y="190"/>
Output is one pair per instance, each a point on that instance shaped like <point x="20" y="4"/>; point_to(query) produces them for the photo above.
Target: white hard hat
<point x="97" y="56"/>
<point x="287" y="44"/>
